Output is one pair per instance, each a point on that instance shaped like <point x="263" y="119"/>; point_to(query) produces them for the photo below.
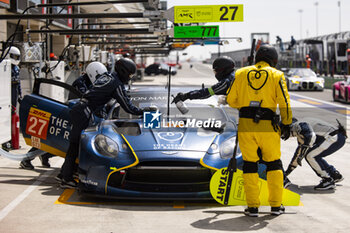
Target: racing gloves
<point x="150" y="109"/>
<point x="299" y="155"/>
<point x="302" y="152"/>
<point x="180" y="97"/>
<point x="285" y="131"/>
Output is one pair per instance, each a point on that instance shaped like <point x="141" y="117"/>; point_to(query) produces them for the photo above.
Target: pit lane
<point x="31" y="201"/>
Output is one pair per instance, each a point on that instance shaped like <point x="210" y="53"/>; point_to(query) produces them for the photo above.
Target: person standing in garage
<point x="106" y="87"/>
<point x="14" y="55"/>
<point x="256" y="92"/>
<point x="224" y="68"/>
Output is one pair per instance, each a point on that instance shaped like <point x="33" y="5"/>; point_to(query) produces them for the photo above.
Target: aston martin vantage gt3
<point x="161" y="155"/>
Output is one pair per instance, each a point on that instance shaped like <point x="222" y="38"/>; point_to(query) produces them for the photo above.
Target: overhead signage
<point x="208" y="13"/>
<point x="196" y="31"/>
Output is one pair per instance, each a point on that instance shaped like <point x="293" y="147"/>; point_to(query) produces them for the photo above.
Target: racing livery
<point x="303" y="79"/>
<point x="124" y="157"/>
<point x="341" y="91"/>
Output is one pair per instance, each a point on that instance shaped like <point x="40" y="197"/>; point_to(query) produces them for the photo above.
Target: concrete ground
<point x="31" y="201"/>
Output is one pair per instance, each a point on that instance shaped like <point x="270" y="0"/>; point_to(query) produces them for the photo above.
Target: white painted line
<point x="199" y="72"/>
<point x="322" y="101"/>
<point x="13" y="204"/>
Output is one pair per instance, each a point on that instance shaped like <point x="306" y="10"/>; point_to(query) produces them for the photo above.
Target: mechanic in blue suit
<point x="14" y="54"/>
<point x="84" y="82"/>
<point x="16" y="91"/>
<point x="316" y="140"/>
<point x="224" y="69"/>
<point x="106" y="87"/>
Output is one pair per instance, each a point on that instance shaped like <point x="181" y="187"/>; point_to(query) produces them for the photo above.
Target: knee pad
<point x="250" y="167"/>
<point x="274" y="165"/>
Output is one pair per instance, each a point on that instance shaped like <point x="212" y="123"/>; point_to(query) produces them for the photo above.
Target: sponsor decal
<point x="36" y="142"/>
<point x="89" y="182"/>
<point x="152" y="120"/>
<point x="168" y="146"/>
<point x="170" y="136"/>
<point x="41" y="123"/>
<point x="38" y="123"/>
<point x="239" y="189"/>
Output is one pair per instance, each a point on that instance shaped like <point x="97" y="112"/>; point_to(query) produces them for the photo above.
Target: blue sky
<point x="278" y="17"/>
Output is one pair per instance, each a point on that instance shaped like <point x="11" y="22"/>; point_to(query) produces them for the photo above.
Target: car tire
<point x="333" y="93"/>
<point x="287" y="82"/>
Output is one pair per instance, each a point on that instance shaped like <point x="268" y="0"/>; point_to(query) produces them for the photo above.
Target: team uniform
<point x="316" y="140"/>
<point x="219" y="88"/>
<point x="16" y="89"/>
<point x="106" y="87"/>
<point x="223" y="68"/>
<point x="82" y="84"/>
<point x="256" y="92"/>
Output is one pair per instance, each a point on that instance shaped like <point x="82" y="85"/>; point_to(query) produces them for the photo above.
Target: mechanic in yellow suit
<point x="256" y="92"/>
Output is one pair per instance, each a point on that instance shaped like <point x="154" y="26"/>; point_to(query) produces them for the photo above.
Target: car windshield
<point x="164" y="66"/>
<point x="301" y="72"/>
<point x="347" y="80"/>
<point x="196" y="108"/>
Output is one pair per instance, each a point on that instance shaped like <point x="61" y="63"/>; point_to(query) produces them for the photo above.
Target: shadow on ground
<point x="240" y="223"/>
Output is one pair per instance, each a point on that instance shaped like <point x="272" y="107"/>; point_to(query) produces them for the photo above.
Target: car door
<point x="44" y="121"/>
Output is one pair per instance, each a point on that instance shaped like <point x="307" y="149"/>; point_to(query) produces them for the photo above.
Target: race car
<point x="124" y="156"/>
<point x="303" y="79"/>
<point x="341" y="91"/>
<point x="161" y="68"/>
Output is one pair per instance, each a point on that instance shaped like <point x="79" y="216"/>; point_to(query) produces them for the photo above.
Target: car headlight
<point x="294" y="81"/>
<point x="227" y="147"/>
<point x="106" y="146"/>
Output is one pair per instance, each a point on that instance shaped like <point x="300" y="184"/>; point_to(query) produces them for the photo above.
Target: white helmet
<point x="94" y="69"/>
<point x="14" y="55"/>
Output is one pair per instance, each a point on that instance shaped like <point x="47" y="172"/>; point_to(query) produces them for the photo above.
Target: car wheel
<point x="334" y="96"/>
<point x="287" y="81"/>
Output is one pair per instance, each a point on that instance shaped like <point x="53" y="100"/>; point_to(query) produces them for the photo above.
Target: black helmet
<point x="294" y="120"/>
<point x="222" y="67"/>
<point x="125" y="69"/>
<point x="126" y="55"/>
<point x="268" y="54"/>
